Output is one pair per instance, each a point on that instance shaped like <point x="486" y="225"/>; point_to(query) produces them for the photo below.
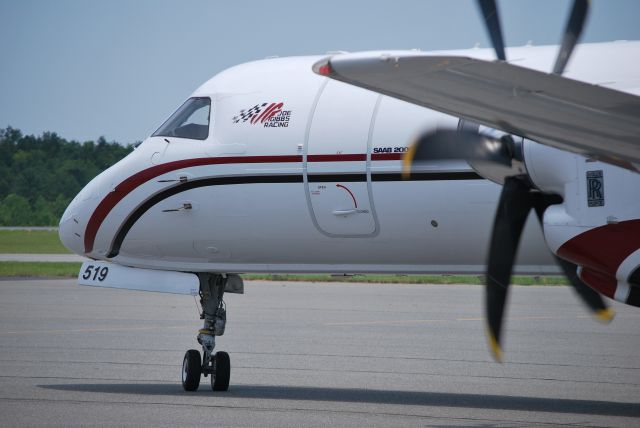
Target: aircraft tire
<point x="220" y="377"/>
<point x="191" y="370"/>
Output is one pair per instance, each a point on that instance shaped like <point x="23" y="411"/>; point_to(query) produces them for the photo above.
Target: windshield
<point x="191" y="120"/>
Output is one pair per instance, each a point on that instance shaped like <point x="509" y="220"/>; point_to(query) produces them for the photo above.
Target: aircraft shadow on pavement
<point x="372" y="396"/>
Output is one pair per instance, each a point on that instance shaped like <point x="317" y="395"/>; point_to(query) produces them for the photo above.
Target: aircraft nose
<point x="73" y="222"/>
<point x="69" y="229"/>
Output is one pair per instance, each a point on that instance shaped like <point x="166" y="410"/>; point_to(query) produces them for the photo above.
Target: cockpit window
<point x="191" y="120"/>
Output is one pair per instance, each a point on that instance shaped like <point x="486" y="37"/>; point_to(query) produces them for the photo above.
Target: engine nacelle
<point x="597" y="227"/>
<point x="551" y="170"/>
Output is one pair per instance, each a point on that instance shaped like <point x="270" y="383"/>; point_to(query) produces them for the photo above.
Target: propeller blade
<point x="589" y="296"/>
<point x="513" y="208"/>
<point x="494" y="157"/>
<point x="454" y="144"/>
<point x="571" y="34"/>
<point x="490" y="14"/>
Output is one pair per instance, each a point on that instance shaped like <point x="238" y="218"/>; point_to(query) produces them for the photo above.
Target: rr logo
<point x="595" y="189"/>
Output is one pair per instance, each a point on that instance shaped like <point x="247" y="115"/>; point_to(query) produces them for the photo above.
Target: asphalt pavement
<point x="305" y="354"/>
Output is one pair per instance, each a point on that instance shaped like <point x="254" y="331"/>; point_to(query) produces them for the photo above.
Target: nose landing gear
<point x="218" y="365"/>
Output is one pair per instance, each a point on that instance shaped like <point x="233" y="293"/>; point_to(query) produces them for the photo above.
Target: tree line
<point x="40" y="175"/>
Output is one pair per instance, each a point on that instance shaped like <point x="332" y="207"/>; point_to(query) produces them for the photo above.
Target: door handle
<point x="181" y="179"/>
<point x="186" y="206"/>
<point x="344" y="213"/>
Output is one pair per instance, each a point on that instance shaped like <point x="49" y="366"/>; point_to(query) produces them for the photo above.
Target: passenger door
<point x="336" y="179"/>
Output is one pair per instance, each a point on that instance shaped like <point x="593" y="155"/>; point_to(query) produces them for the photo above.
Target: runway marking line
<point x="383" y="322"/>
<point x="424" y="321"/>
<point x="90" y="330"/>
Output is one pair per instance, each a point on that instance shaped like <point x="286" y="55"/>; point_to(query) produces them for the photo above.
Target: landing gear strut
<point x="214" y="313"/>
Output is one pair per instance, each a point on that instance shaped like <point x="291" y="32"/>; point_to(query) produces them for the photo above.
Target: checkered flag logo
<point x="248" y="114"/>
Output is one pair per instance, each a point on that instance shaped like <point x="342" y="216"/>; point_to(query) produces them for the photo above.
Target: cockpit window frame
<point x="178" y="116"/>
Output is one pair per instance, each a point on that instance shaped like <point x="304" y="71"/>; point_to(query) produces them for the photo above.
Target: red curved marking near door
<point x="352" y="197"/>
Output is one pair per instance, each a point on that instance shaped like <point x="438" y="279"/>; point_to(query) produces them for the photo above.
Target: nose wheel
<point x="219" y="367"/>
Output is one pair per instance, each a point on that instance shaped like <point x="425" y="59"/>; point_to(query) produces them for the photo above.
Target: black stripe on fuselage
<point x="427" y="176"/>
<point x="344" y="178"/>
<point x="270" y="179"/>
<point x="189" y="185"/>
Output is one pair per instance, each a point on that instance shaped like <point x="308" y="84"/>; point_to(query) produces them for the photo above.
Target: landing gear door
<point x="337" y="183"/>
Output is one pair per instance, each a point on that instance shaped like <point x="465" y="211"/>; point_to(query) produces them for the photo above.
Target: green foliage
<point x="15" y="209"/>
<point x="40" y="175"/>
<point x="405" y="279"/>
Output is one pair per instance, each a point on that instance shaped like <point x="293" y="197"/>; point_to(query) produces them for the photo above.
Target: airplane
<point x="379" y="162"/>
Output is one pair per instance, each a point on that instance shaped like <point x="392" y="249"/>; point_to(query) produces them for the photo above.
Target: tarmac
<point x="305" y="354"/>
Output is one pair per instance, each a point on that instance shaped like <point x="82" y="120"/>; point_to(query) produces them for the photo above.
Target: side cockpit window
<point x="191" y="120"/>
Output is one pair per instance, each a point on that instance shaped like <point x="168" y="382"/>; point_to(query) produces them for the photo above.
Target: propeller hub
<point x="498" y="157"/>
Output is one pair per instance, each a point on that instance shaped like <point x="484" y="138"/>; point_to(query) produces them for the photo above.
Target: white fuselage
<point x="312" y="185"/>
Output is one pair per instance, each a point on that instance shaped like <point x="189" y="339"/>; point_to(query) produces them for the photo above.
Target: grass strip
<point x="70" y="270"/>
<point x="40" y="269"/>
<point x="406" y="279"/>
<point x="31" y="242"/>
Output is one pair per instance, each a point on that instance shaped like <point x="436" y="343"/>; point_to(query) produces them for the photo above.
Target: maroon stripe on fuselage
<point x="349" y="157"/>
<point x="353" y="157"/>
<point x="386" y="156"/>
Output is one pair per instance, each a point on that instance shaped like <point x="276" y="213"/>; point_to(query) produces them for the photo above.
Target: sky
<point x="118" y="68"/>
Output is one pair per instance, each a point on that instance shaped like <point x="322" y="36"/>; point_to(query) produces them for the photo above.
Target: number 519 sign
<point x="94" y="273"/>
<point x="104" y="274"/>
